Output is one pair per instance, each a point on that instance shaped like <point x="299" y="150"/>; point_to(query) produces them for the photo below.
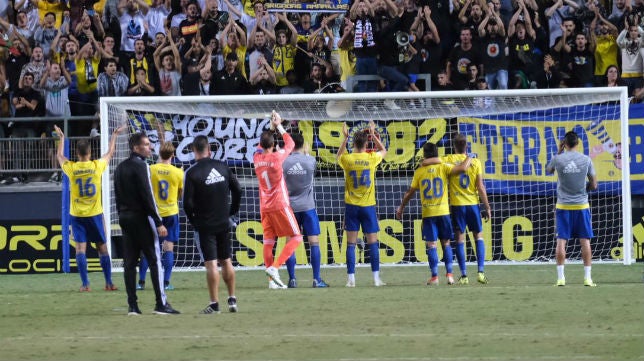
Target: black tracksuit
<point x="138" y="219"/>
<point x="206" y="202"/>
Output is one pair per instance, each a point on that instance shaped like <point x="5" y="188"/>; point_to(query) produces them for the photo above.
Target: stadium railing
<point x="354" y="79"/>
<point x="35" y="156"/>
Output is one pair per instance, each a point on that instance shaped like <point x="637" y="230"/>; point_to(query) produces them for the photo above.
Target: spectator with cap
<point x="230" y="80"/>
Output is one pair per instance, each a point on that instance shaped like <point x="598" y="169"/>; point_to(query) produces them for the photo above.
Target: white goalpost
<point x="514" y="133"/>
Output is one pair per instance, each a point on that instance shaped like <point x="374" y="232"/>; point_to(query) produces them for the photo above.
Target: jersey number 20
<point x="432" y="188"/>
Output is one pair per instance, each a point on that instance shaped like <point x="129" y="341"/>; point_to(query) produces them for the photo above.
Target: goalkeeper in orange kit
<point x="277" y="216"/>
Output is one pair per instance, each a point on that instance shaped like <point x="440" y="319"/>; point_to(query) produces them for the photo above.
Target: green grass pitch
<point x="519" y="315"/>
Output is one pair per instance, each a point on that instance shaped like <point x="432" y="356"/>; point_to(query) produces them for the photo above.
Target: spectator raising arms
<point x="284" y="51"/>
<point x="169" y="67"/>
<point x="54" y="83"/>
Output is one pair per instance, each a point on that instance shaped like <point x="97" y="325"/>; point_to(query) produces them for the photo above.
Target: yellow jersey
<point x="432" y="182"/>
<point x="167" y="181"/>
<point x="283" y="61"/>
<point x="360" y="177"/>
<point x="85" y="180"/>
<point x="462" y="187"/>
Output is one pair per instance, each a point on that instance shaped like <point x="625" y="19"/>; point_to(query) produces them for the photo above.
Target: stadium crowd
<point x="57" y="57"/>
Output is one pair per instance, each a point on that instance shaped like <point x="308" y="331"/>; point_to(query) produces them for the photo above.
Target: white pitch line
<point x="400" y="335"/>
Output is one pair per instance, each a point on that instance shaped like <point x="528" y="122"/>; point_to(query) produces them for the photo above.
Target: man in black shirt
<point x="138" y="218"/>
<point x="205" y="201"/>
<point x="460" y="57"/>
<point x="229" y="80"/>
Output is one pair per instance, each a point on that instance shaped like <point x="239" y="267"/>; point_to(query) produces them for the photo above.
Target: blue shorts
<point x="574" y="223"/>
<point x="309" y="222"/>
<point x="467" y="217"/>
<point x="171" y="223"/>
<point x="435" y="228"/>
<point x="355" y="216"/>
<point x="88" y="229"/>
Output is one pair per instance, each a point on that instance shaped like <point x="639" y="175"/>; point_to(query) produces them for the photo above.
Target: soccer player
<point x="360" y="198"/>
<point x="140" y="223"/>
<point x="465" y="190"/>
<point x="85" y="206"/>
<point x="572" y="210"/>
<point x="167" y="186"/>
<point x="208" y="208"/>
<point x="277" y="216"/>
<point x="299" y="169"/>
<point x="432" y="180"/>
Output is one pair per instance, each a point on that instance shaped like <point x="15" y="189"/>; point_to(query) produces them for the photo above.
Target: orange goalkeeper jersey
<point x="273" y="194"/>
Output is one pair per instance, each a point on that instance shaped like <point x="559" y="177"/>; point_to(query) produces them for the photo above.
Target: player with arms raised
<point x="277" y="216"/>
<point x="299" y="168"/>
<point x="360" y="198"/>
<point x="432" y="180"/>
<point x="86" y="208"/>
<point x="465" y="190"/>
<point x="167" y="185"/>
<point x="573" y="210"/>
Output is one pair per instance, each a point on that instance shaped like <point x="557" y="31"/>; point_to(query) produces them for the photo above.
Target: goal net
<point x="513" y="133"/>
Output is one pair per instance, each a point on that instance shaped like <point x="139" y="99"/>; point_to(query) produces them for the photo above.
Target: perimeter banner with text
<point x="514" y="150"/>
<point x="335" y="6"/>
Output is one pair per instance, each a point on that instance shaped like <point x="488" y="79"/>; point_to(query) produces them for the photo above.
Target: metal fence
<point x="28" y="156"/>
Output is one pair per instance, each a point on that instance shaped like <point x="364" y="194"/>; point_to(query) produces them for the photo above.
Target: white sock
<point x="560" y="272"/>
<point x="351" y="277"/>
<point x="587" y="273"/>
<point x="376" y="275"/>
